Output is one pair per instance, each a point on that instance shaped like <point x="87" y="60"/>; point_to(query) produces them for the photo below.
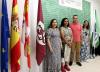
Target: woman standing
<point x="54" y="44"/>
<point x="85" y="49"/>
<point x="66" y="35"/>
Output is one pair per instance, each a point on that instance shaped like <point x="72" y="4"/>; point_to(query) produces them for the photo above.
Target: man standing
<point x="76" y="44"/>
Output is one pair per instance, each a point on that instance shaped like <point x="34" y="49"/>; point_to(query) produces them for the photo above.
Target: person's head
<point x="75" y="18"/>
<point x="86" y="24"/>
<point x="53" y="23"/>
<point x="65" y="22"/>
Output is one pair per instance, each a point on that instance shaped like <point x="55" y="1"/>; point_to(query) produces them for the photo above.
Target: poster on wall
<point x="77" y="4"/>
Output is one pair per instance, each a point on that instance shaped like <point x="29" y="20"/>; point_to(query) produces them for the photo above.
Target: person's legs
<point x="66" y="57"/>
<point x="78" y="53"/>
<point x="88" y="52"/>
<point x="62" y="58"/>
<point x="72" y="53"/>
<point x="62" y="52"/>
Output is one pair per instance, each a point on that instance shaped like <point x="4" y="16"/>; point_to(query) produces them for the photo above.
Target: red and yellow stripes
<point x="15" y="39"/>
<point x="27" y="33"/>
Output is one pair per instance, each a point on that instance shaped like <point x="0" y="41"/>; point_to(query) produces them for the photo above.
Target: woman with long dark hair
<point x="66" y="36"/>
<point x="85" y="49"/>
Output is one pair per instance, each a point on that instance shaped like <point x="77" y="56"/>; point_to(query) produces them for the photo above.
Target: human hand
<point x="51" y="50"/>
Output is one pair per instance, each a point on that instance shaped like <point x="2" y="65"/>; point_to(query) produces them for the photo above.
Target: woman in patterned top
<point x="66" y="36"/>
<point x="54" y="44"/>
<point x="85" y="49"/>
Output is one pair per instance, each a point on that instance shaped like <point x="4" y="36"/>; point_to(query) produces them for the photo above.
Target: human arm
<point x="48" y="40"/>
<point x="64" y="40"/>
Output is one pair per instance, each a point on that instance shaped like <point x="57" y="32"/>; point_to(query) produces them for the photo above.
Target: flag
<point x="95" y="33"/>
<point x="15" y="39"/>
<point x="4" y="37"/>
<point x="40" y="39"/>
<point x="26" y="28"/>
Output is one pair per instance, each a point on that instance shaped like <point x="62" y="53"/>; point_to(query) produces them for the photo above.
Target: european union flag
<point x="4" y="37"/>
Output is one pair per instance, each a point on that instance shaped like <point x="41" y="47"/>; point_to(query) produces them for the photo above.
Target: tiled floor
<point x="92" y="65"/>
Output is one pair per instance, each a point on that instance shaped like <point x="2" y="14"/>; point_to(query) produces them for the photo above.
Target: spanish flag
<point x="15" y="39"/>
<point x="26" y="33"/>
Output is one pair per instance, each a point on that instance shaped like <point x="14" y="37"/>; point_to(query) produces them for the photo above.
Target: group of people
<point x="66" y="44"/>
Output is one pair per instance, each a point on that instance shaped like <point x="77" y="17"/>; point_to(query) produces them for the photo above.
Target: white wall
<point x="33" y="4"/>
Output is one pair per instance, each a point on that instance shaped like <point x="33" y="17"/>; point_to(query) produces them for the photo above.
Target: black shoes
<point x="70" y="63"/>
<point x="78" y="63"/>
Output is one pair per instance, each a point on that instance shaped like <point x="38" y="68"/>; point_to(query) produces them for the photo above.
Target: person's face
<point x="75" y="19"/>
<point x="86" y="23"/>
<point x="65" y="22"/>
<point x="54" y="24"/>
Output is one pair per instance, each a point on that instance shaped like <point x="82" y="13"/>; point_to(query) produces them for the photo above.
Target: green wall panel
<point x="52" y="9"/>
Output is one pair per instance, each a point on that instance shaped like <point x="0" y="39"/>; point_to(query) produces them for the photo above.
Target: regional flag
<point x="40" y="39"/>
<point x="15" y="39"/>
<point x="4" y="37"/>
<point x="26" y="33"/>
<point x="96" y="32"/>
